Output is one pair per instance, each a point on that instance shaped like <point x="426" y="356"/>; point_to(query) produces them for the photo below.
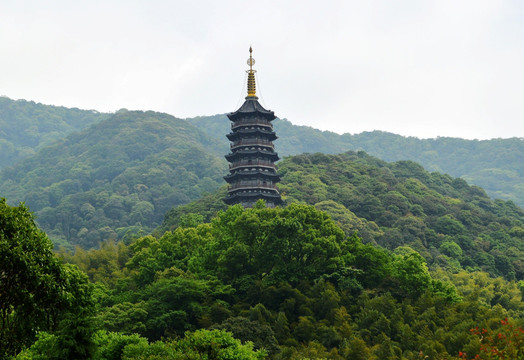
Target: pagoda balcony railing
<point x="251" y="123"/>
<point x="248" y="163"/>
<point x="252" y="184"/>
<point x="252" y="142"/>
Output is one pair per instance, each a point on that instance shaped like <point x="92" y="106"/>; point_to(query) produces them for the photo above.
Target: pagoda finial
<point x="251" y="86"/>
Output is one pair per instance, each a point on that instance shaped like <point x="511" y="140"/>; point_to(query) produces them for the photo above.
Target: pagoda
<point x="252" y="173"/>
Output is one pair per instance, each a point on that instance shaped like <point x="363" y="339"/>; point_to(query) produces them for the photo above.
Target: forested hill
<point x="119" y="176"/>
<point x="495" y="165"/>
<point x="452" y="224"/>
<point x="285" y="283"/>
<point x="291" y="282"/>
<point x="26" y="126"/>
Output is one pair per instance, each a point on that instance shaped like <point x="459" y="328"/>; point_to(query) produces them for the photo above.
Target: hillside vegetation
<point x="26" y="127"/>
<point x="118" y="177"/>
<point x="289" y="284"/>
<point x="495" y="165"/>
<point x="366" y="259"/>
<point x="451" y="224"/>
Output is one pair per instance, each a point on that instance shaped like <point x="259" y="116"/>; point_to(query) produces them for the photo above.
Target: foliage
<point x="494" y="164"/>
<point x="38" y="292"/>
<point x="290" y="283"/>
<point x="117" y="179"/>
<point x="26" y="127"/>
<point x="318" y="294"/>
<point x="201" y="344"/>
<point x="450" y="223"/>
<point x="507" y="342"/>
<point x="244" y="329"/>
<point x="200" y="210"/>
<point x="400" y="205"/>
<point x="111" y="345"/>
<point x="284" y="244"/>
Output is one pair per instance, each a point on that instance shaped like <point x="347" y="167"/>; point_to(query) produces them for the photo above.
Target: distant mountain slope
<point x="496" y="165"/>
<point x="449" y="222"/>
<point x="120" y="175"/>
<point x="26" y="126"/>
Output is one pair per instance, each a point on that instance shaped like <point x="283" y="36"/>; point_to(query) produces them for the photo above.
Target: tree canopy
<point x="38" y="292"/>
<point x="451" y="224"/>
<point x="26" y="127"/>
<point x="115" y="179"/>
<point x="494" y="165"/>
<point x="281" y="283"/>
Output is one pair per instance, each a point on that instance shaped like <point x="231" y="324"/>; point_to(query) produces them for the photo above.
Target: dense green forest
<point x="451" y="224"/>
<point x="366" y="259"/>
<point x="26" y="127"/>
<point x="495" y="165"/>
<point x="116" y="178"/>
<point x="283" y="283"/>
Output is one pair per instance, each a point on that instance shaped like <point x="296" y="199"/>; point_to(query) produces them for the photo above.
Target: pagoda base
<point x="249" y="200"/>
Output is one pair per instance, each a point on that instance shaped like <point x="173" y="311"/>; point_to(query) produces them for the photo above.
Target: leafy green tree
<point x="357" y="349"/>
<point x="201" y="344"/>
<point x="261" y="335"/>
<point x="311" y="350"/>
<point x="76" y="326"/>
<point x="448" y="225"/>
<point x="282" y="244"/>
<point x="451" y="248"/>
<point x="111" y="345"/>
<point x="410" y="275"/>
<point x="126" y="317"/>
<point x="37" y="292"/>
<point x="373" y="262"/>
<point x="42" y="349"/>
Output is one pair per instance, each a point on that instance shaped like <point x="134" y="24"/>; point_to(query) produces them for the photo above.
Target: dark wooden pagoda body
<point x="252" y="173"/>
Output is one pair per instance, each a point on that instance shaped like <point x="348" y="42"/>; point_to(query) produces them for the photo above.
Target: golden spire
<point x="251" y="86"/>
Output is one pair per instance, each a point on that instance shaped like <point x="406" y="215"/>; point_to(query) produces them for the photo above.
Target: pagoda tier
<point x="249" y="143"/>
<point x="250" y="196"/>
<point x="251" y="153"/>
<point x="248" y="174"/>
<point x="259" y="122"/>
<point x="252" y="173"/>
<point x="250" y="164"/>
<point x="252" y="132"/>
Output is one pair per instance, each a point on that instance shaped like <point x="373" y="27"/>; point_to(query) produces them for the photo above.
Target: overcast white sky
<point x="418" y="68"/>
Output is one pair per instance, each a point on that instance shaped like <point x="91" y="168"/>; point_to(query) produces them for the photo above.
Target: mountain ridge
<point x="26" y="126"/>
<point x="121" y="174"/>
<point x="144" y="163"/>
<point x="494" y="164"/>
<point x="453" y="225"/>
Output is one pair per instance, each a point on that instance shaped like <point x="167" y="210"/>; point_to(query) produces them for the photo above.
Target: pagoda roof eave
<point x="251" y="107"/>
<point x="251" y="153"/>
<point x="251" y="132"/>
<point x="249" y="174"/>
<point x="275" y="197"/>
